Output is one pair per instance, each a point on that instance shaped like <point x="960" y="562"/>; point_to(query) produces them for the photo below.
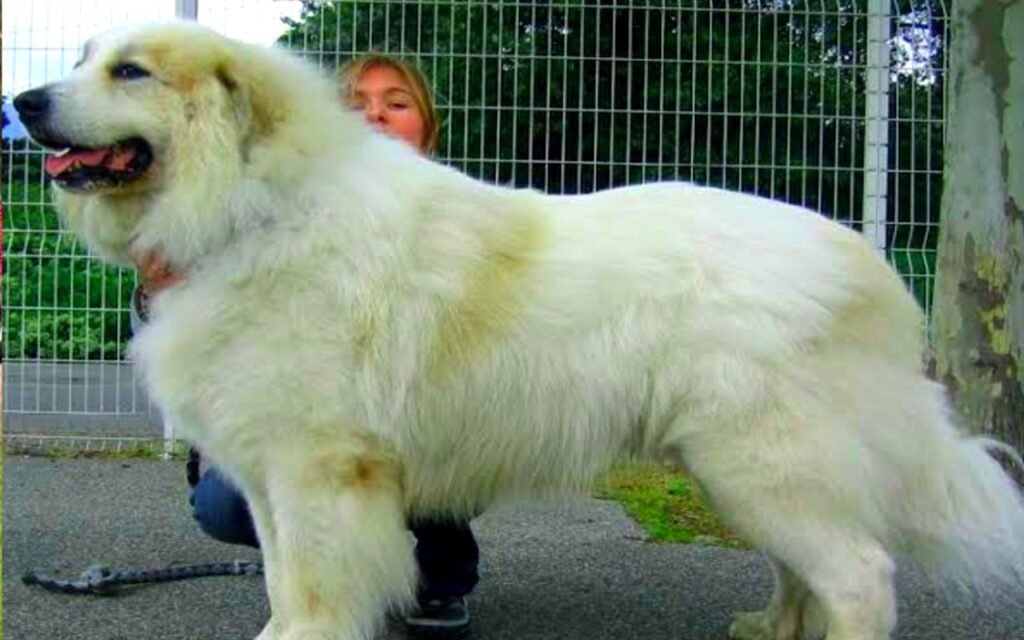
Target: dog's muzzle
<point x="75" y="167"/>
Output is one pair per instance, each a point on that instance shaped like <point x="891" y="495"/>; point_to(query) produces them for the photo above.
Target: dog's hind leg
<point x="792" y="614"/>
<point x="848" y="574"/>
<point x="343" y="552"/>
<point x="853" y="580"/>
<point x="791" y="486"/>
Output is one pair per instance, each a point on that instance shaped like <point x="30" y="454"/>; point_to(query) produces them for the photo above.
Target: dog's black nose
<point x="32" y="105"/>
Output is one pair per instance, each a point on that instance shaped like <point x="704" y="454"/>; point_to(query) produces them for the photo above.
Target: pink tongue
<point x="56" y="165"/>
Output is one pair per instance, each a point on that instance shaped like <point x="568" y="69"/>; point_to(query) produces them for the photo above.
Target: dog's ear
<point x="253" y="107"/>
<point x="239" y="95"/>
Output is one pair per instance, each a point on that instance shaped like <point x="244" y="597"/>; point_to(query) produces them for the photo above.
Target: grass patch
<point x="668" y="504"/>
<point x="93" y="449"/>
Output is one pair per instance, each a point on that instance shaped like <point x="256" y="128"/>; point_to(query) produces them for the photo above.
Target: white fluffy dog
<point x="365" y="334"/>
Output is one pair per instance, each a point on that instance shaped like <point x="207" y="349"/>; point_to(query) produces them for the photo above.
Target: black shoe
<point x="439" y="618"/>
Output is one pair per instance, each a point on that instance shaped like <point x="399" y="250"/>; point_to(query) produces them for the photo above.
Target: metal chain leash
<point x="99" y="580"/>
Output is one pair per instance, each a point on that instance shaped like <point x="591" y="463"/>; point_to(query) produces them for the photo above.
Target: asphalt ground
<point x="566" y="569"/>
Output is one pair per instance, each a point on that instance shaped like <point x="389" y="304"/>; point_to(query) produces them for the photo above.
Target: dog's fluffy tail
<point x="965" y="521"/>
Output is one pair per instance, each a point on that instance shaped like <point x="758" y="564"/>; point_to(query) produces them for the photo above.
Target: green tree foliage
<point x="758" y="95"/>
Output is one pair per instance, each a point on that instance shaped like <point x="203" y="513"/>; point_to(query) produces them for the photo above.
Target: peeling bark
<point x="978" y="317"/>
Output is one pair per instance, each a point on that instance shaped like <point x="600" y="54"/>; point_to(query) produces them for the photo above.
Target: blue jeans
<point x="446" y="551"/>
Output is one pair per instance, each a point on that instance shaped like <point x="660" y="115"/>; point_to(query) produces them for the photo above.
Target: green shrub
<point x="58" y="302"/>
<point x="917" y="266"/>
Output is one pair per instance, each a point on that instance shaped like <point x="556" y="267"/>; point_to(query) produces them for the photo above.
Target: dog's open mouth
<point x="86" y="169"/>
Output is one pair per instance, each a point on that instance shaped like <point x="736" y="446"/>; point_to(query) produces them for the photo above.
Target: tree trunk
<point x="978" y="317"/>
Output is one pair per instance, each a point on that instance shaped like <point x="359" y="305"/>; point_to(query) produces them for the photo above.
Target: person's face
<point x="387" y="103"/>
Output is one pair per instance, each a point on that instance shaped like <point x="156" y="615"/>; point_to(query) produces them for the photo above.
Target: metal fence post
<point x="186" y="9"/>
<point x="876" y="124"/>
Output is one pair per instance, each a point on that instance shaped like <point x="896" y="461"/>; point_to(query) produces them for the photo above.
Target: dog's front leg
<point x="342" y="555"/>
<point x="262" y="517"/>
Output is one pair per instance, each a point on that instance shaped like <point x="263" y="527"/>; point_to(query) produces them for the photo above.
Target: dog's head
<point x="158" y="129"/>
<point x="114" y="123"/>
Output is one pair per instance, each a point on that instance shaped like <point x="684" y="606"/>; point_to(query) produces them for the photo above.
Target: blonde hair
<point x="350" y="73"/>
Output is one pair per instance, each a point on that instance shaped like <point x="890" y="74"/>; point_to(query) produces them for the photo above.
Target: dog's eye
<point x="128" y="71"/>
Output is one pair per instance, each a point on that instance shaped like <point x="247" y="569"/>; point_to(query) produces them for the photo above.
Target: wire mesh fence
<point x="835" y="105"/>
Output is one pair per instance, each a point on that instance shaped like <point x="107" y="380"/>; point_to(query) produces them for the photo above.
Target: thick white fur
<point x="364" y="334"/>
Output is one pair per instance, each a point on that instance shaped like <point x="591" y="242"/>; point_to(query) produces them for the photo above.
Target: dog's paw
<point x="311" y="633"/>
<point x="755" y="625"/>
<point x="270" y="631"/>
